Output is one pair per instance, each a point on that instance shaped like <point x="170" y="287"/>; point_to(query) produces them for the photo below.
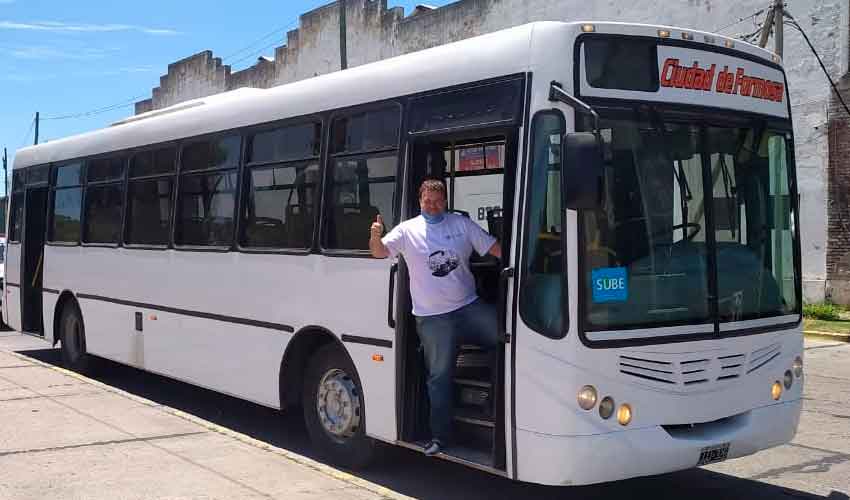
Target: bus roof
<point x="494" y="54"/>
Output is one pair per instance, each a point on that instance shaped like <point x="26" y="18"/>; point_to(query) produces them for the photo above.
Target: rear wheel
<point x="73" y="337"/>
<point x="333" y="408"/>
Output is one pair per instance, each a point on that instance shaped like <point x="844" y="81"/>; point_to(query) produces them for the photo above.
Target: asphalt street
<point x="816" y="465"/>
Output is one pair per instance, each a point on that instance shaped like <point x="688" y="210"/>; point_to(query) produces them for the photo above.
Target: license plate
<point x="712" y="454"/>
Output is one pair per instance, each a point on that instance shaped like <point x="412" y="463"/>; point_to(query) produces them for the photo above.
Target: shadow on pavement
<point x="411" y="473"/>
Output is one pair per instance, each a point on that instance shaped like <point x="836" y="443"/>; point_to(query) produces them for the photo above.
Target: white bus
<point x="641" y="181"/>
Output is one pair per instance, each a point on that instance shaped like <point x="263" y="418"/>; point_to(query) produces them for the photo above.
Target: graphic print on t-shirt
<point x="442" y="262"/>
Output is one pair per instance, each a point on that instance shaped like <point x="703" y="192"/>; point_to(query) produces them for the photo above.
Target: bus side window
<point x="362" y="176"/>
<point x="66" y="204"/>
<point x="149" y="194"/>
<point x="206" y="200"/>
<point x="104" y="200"/>
<point x="281" y="189"/>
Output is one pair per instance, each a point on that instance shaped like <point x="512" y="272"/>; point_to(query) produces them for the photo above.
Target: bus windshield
<point x="690" y="211"/>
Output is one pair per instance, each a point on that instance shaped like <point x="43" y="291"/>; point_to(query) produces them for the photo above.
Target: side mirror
<point x="581" y="157"/>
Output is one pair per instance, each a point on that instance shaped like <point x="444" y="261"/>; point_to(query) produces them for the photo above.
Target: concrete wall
<point x="376" y="32"/>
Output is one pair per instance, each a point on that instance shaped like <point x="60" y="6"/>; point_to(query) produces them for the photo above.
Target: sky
<point x="66" y="59"/>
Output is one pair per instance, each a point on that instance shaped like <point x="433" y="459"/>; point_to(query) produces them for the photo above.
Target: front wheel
<point x="73" y="337"/>
<point x="333" y="409"/>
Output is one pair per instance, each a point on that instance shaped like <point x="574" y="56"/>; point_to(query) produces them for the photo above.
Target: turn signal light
<point x="624" y="414"/>
<point x="776" y="391"/>
<point x="587" y="397"/>
<point x="588" y="28"/>
<point x="664" y="33"/>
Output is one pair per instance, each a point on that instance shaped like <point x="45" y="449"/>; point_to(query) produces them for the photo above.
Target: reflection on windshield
<point x="678" y="199"/>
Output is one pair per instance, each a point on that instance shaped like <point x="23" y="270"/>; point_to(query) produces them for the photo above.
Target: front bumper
<point x="577" y="460"/>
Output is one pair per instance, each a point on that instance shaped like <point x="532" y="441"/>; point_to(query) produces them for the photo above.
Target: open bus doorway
<point x="35" y="217"/>
<point x="478" y="185"/>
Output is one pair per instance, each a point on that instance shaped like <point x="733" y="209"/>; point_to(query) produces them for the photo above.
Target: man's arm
<point x="496" y="250"/>
<point x="378" y="249"/>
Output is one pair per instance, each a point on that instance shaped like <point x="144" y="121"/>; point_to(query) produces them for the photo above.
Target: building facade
<point x="375" y="32"/>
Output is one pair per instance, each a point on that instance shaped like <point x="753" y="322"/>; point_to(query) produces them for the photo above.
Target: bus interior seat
<point x="351" y="226"/>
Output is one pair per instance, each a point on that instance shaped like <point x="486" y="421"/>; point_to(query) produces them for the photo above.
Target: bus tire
<point x="333" y="409"/>
<point x="73" y="340"/>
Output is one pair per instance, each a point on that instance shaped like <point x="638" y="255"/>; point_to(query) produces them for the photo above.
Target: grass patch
<point x="818" y="325"/>
<point x="826" y="312"/>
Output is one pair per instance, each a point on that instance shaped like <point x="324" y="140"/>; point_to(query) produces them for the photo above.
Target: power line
<point x="793" y="23"/>
<point x="27" y="135"/>
<point x="123" y="104"/>
<point x="255" y="42"/>
<point x="740" y="20"/>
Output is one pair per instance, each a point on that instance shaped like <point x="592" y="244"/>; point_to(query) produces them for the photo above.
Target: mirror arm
<point x="557" y="93"/>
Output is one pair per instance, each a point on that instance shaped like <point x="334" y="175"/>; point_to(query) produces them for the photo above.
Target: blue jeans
<point x="440" y="335"/>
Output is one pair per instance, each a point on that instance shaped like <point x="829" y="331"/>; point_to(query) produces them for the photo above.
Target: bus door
<point x="32" y="262"/>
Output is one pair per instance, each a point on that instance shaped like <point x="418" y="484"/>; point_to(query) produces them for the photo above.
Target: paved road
<point x="816" y="465"/>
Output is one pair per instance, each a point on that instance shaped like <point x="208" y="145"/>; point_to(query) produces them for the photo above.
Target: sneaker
<point x="434" y="447"/>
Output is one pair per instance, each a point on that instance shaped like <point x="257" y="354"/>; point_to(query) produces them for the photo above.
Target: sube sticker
<point x="610" y="284"/>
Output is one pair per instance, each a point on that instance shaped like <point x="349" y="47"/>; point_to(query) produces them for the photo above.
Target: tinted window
<point x="149" y="211"/>
<point x="625" y="64"/>
<point x="105" y="169"/>
<point x="18" y="179"/>
<point x="16" y="216"/>
<point x="103" y="213"/>
<point x="69" y="175"/>
<point x="66" y="215"/>
<point x="160" y="161"/>
<point x="218" y="153"/>
<point x="205" y="209"/>
<point x="37" y="175"/>
<point x="366" y="131"/>
<point x="279" y="211"/>
<point x="361" y="188"/>
<point x="289" y="143"/>
<point x="487" y="104"/>
<point x="542" y="290"/>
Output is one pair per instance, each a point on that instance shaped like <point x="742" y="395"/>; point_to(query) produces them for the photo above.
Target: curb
<point x="838" y="337"/>
<point x="291" y="456"/>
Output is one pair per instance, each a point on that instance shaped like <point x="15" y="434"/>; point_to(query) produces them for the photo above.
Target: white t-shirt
<point x="437" y="256"/>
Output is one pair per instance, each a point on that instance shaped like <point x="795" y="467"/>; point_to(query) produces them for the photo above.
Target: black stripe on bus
<point x="9" y="283"/>
<point x="49" y="290"/>
<point x="186" y="312"/>
<point x="367" y="340"/>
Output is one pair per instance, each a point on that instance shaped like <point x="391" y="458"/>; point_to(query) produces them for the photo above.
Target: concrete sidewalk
<point x="63" y="436"/>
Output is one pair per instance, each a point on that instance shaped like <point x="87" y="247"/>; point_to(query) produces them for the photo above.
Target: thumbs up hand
<point x="377" y="228"/>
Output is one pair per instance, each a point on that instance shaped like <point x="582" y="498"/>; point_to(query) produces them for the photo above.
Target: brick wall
<point x="838" y="204"/>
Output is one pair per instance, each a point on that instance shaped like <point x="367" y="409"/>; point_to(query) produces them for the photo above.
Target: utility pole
<point x="36" y="129"/>
<point x="5" y="174"/>
<point x="775" y="19"/>
<point x="779" y="24"/>
<point x="343" y="56"/>
<point x="765" y="28"/>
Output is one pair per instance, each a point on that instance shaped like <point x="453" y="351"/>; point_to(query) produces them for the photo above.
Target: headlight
<point x="788" y="379"/>
<point x="587" y="397"/>
<point x="606" y="407"/>
<point x="798" y="366"/>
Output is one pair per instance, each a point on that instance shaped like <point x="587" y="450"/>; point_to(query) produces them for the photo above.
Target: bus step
<point x="473" y="418"/>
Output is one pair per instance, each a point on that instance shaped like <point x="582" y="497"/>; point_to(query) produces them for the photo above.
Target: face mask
<point x="433" y="219"/>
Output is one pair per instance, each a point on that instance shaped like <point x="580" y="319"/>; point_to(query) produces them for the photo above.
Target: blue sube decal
<point x="610" y="284"/>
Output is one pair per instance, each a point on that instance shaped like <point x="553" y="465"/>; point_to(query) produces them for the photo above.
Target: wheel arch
<point x="293" y="366"/>
<point x="65" y="297"/>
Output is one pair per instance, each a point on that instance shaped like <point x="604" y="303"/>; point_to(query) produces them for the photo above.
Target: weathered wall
<point x="838" y="252"/>
<point x="375" y="32"/>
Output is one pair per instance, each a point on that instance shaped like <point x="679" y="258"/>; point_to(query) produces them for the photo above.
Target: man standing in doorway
<point x="437" y="246"/>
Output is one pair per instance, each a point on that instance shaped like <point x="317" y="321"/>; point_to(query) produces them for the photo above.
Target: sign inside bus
<point x="706" y="78"/>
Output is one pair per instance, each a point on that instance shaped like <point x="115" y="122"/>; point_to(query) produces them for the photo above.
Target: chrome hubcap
<point x="338" y="404"/>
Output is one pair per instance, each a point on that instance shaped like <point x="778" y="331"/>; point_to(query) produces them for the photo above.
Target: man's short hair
<point x="434" y="186"/>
